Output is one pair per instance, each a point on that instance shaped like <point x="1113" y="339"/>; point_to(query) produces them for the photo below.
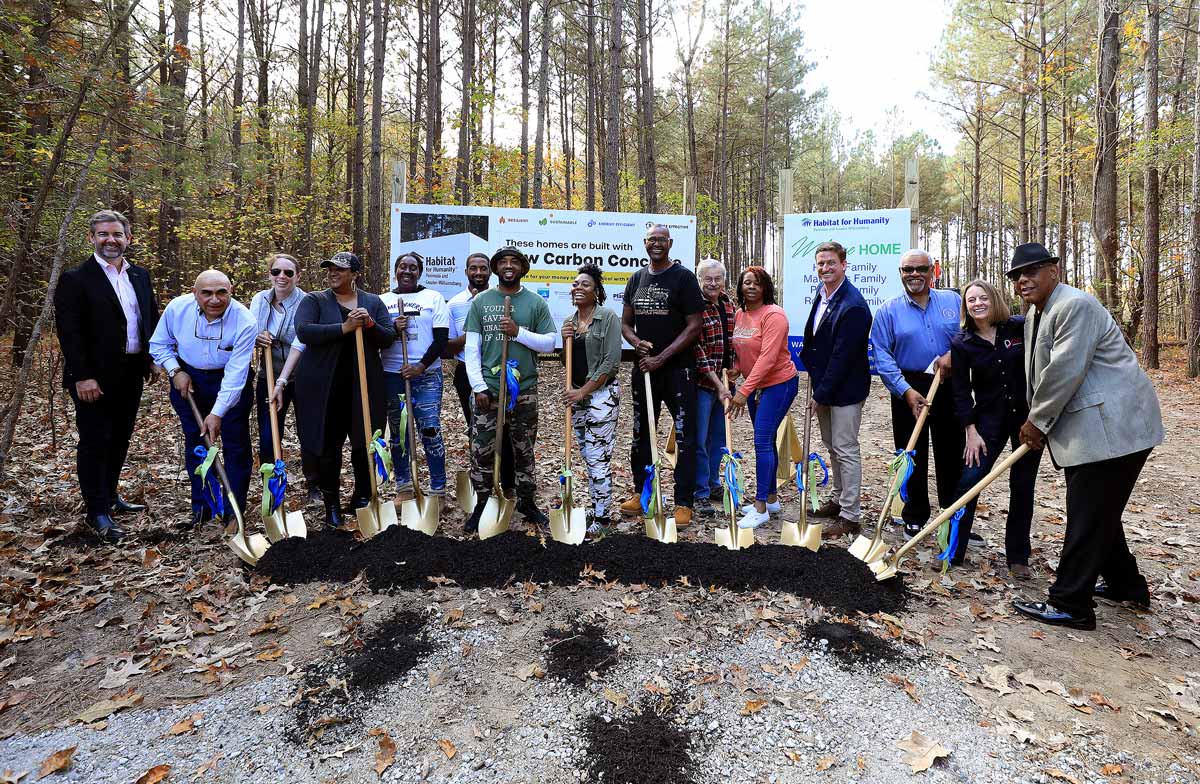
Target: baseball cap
<point x="345" y="260"/>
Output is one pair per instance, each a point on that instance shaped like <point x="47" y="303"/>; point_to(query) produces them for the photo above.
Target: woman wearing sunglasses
<point x="274" y="311"/>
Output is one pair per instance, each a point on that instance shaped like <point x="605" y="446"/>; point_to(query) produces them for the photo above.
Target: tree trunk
<point x="1150" y="204"/>
<point x="1194" y="278"/>
<point x="612" y="158"/>
<point x="1104" y="209"/>
<point x="543" y="100"/>
<point x="433" y="99"/>
<point x="357" y="202"/>
<point x="462" y="172"/>
<point x="418" y="102"/>
<point x="646" y="109"/>
<point x="236" y="175"/>
<point x="174" y="137"/>
<point x="1043" y="128"/>
<point x="591" y="108"/>
<point x="123" y="141"/>
<point x="524" y="12"/>
<point x="377" y="255"/>
<point x="259" y="34"/>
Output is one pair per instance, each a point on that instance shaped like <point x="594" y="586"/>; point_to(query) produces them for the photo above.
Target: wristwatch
<point x="171" y="373"/>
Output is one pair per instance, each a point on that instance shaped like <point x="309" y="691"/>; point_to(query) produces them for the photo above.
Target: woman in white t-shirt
<point x="422" y="323"/>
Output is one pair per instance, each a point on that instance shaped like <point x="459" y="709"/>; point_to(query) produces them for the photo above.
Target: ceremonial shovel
<point x="498" y="511"/>
<point x="787" y="446"/>
<point x="377" y="514"/>
<point x="671" y="454"/>
<point x="279" y="523"/>
<point x="658" y="525"/>
<point x="802" y="534"/>
<point x="568" y="523"/>
<point x="873" y="549"/>
<point x="884" y="569"/>
<point x="731" y="538"/>
<point x="248" y="548"/>
<point x="421" y="512"/>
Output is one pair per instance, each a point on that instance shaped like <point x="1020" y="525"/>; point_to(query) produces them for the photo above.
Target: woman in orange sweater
<point x="770" y="382"/>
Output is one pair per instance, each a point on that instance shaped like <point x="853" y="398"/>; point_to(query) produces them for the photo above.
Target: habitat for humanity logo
<point x="806" y="222"/>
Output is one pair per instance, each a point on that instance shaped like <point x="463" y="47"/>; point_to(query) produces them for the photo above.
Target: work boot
<point x="683" y="516"/>
<point x="633" y="506"/>
<point x="528" y="509"/>
<point x="471" y="525"/>
<point x="703" y="507"/>
<point x="840" y="528"/>
<point x="830" y="508"/>
<point x="333" y="511"/>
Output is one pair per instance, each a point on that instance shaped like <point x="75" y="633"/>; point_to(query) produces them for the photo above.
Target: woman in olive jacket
<point x="328" y="407"/>
<point x="595" y="332"/>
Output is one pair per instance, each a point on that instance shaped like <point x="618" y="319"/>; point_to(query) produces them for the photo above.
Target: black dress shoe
<point x="1104" y="591"/>
<point x="333" y="512"/>
<point x="199" y="516"/>
<point x="121" y="506"/>
<point x="1048" y="613"/>
<point x="357" y="502"/>
<point x="105" y="527"/>
<point x="528" y="509"/>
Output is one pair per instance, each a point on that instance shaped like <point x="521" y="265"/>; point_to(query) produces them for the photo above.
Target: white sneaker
<point x="753" y="519"/>
<point x="774" y="508"/>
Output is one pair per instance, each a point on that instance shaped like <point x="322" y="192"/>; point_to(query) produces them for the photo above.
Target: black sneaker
<point x="528" y="509"/>
<point x="975" y="539"/>
<point x="471" y="524"/>
<point x="912" y="529"/>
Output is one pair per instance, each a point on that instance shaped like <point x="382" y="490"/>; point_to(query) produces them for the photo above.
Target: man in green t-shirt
<point x="529" y="331"/>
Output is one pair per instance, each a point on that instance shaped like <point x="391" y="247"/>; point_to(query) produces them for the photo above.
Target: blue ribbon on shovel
<point x="209" y="483"/>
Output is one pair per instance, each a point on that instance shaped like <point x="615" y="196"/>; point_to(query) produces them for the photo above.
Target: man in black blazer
<point x="105" y="313"/>
<point x="835" y="356"/>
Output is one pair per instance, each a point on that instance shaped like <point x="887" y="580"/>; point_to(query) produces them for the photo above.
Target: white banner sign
<point x="556" y="242"/>
<point x="874" y="240"/>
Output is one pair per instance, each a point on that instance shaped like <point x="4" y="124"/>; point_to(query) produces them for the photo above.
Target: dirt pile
<point x="400" y="558"/>
<point x="644" y="748"/>
<point x="577" y="651"/>
<point x="852" y="644"/>
<point x="392" y="649"/>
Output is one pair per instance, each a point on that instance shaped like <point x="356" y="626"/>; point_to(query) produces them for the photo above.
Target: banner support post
<point x="786" y="182"/>
<point x="912" y="197"/>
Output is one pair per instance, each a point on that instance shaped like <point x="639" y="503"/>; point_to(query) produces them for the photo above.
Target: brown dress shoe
<point x="1018" y="571"/>
<point x="632" y="507"/>
<point x="830" y="508"/>
<point x="683" y="516"/>
<point x="841" y="527"/>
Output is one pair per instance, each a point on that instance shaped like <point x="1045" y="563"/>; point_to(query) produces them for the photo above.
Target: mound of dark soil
<point x="390" y="650"/>
<point x="644" y="748"/>
<point x="577" y="651"/>
<point x="851" y="644"/>
<point x="400" y="558"/>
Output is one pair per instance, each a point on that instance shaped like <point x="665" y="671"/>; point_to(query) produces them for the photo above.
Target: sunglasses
<point x="922" y="270"/>
<point x="277" y="272"/>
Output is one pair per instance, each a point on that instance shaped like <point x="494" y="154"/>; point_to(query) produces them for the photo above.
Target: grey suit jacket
<point x="1086" y="390"/>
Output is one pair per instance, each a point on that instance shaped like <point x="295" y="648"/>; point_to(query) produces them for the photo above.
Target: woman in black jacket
<point x="988" y="357"/>
<point x="328" y="406"/>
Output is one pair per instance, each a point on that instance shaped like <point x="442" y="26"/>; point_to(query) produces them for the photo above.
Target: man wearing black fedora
<point x="1094" y="409"/>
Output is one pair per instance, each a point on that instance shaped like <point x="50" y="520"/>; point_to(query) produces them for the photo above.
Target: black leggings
<point x="339" y="424"/>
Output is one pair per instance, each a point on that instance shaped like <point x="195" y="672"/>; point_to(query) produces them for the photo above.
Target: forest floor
<point x="520" y="660"/>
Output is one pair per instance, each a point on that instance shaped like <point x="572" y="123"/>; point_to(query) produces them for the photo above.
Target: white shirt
<point x="426" y="310"/>
<point x="119" y="280"/>
<point x="460" y="306"/>
<point x="823" y="303"/>
<point x="185" y="334"/>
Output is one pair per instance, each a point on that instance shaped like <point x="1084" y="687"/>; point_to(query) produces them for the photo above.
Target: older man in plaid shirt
<point x="714" y="353"/>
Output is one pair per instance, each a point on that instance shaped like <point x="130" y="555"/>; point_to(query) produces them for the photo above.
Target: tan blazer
<point x="1086" y="390"/>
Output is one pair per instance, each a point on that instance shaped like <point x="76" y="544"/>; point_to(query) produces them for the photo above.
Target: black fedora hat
<point x="1028" y="254"/>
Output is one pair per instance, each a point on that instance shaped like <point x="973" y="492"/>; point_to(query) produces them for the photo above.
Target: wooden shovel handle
<point x="805" y="452"/>
<point x="365" y="403"/>
<point x="408" y="401"/>
<point x="237" y="512"/>
<point x="277" y="451"/>
<point x="503" y="399"/>
<point x="568" y="346"/>
<point x="912" y="443"/>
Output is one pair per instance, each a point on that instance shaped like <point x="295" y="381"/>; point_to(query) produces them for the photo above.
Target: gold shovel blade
<point x="883" y="569"/>
<point x="862" y="546"/>
<point x="275" y="525"/>
<point x="496" y="517"/>
<point x="725" y="537"/>
<point x="811" y="537"/>
<point x="568" y="525"/>
<point x="294" y="524"/>
<point x="258" y="546"/>
<point x="368" y="522"/>
<point x="662" y="531"/>
<point x="793" y="535"/>
<point x="464" y="492"/>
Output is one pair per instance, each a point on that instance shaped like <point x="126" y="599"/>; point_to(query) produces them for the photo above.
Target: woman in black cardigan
<point x="328" y="404"/>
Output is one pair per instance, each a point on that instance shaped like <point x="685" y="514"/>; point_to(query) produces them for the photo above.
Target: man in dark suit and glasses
<point x="105" y="313"/>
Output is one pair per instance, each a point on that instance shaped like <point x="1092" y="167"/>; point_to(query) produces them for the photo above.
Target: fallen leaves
<point x="448" y="748"/>
<point x="1056" y="773"/>
<point x="56" y="762"/>
<point x="385" y="757"/>
<point x="106" y="708"/>
<point x="996" y="678"/>
<point x="615" y="697"/>
<point x="154" y="775"/>
<point x="119" y="677"/>
<point x="530" y="671"/>
<point x="907" y="685"/>
<point x="825" y="763"/>
<point x="920" y="752"/>
<point x="184" y="726"/>
<point x="1027" y="678"/>
<point x="753" y="706"/>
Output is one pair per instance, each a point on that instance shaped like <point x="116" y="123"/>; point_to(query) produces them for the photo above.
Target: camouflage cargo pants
<point x="520" y="430"/>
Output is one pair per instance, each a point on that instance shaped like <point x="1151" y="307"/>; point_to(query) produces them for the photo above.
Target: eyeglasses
<point x="1030" y="271"/>
<point x="922" y="270"/>
<point x="277" y="272"/>
<point x="657" y="240"/>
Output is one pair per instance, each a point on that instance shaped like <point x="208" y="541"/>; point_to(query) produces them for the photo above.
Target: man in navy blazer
<point x="105" y="313"/>
<point x="835" y="356"/>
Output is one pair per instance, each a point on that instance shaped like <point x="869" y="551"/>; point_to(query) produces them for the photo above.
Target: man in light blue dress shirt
<point x="205" y="343"/>
<point x="911" y="335"/>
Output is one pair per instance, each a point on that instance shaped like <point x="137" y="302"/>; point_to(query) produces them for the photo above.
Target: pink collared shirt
<point x="119" y="279"/>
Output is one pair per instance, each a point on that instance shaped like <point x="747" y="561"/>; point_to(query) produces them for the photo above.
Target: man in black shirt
<point x="661" y="319"/>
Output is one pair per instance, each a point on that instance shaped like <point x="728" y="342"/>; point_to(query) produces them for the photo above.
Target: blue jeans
<point x="768" y="407"/>
<point x="710" y="440"/>
<point x="424" y="413"/>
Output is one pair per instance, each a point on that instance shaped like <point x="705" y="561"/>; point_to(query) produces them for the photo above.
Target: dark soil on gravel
<point x="644" y="748"/>
<point x="400" y="558"/>
<point x="577" y="651"/>
<point x="390" y="650"/>
<point x="852" y="644"/>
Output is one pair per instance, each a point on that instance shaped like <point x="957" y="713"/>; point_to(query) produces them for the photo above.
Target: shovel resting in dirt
<point x="248" y="548"/>
<point x="278" y="522"/>
<point x="802" y="533"/>
<point x="498" y="511"/>
<point x="885" y="569"/>
<point x="421" y="512"/>
<point x="787" y="447"/>
<point x="658" y="525"/>
<point x="732" y="537"/>
<point x="378" y="514"/>
<point x="872" y="549"/>
<point x="568" y="523"/>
